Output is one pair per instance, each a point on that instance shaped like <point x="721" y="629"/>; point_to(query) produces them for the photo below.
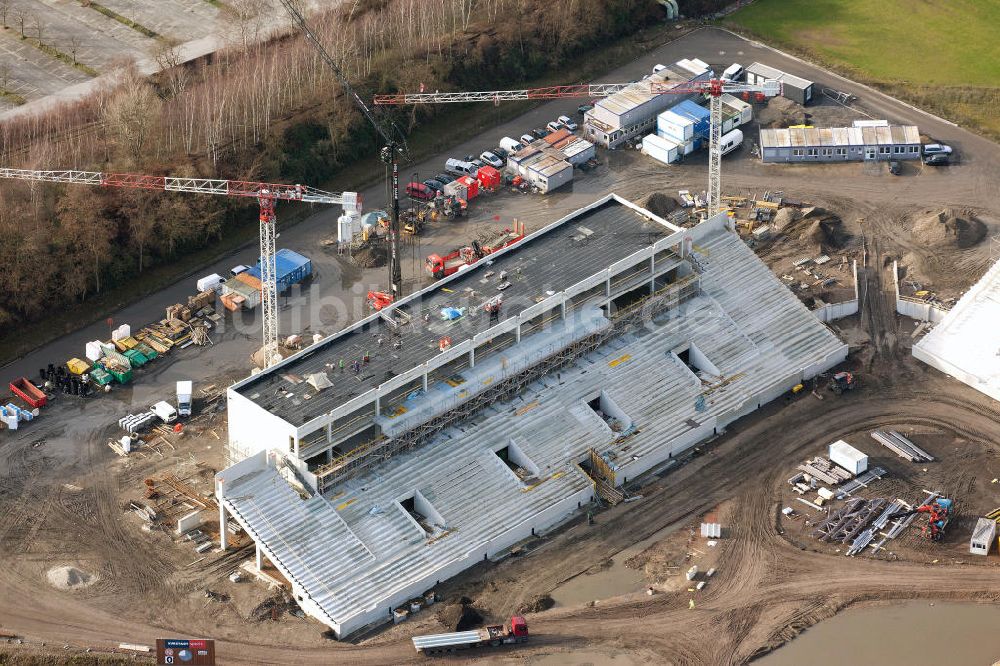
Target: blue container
<point x="292" y="268"/>
<point x="697" y="113"/>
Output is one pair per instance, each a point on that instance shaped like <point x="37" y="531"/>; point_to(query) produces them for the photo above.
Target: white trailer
<point x="848" y="457"/>
<point x="982" y="536"/>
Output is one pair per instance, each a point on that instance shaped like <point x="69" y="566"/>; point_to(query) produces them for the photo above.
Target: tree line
<point x="259" y="109"/>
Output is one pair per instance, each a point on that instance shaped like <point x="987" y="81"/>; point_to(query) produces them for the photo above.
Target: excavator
<point x="939" y="512"/>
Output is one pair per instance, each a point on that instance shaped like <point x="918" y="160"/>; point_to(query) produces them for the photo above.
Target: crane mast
<point x="714" y="89"/>
<point x="266" y="194"/>
<point x="389" y="154"/>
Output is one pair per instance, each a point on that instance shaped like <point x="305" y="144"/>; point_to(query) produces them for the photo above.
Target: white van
<point x="658" y="68"/>
<point x="460" y="167"/>
<point x="730" y="141"/>
<point x="733" y="73"/>
<point x="165" y="411"/>
<point x="511" y="145"/>
<point x="213" y="282"/>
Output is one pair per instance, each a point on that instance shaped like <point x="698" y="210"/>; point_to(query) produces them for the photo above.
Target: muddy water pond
<point x="914" y="633"/>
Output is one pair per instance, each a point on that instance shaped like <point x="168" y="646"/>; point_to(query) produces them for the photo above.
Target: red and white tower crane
<point x="266" y="194"/>
<point x="713" y="88"/>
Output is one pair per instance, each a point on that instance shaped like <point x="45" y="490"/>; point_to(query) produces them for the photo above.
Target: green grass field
<point x="943" y="55"/>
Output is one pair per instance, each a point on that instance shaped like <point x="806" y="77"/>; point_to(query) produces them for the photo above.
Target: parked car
<point x="583" y="108"/>
<point x="658" y="68"/>
<point x="937" y="149"/>
<point x="540" y="133"/>
<point x="554" y="126"/>
<point x="419" y="191"/>
<point x="510" y="145"/>
<point x="733" y="73"/>
<point x="444" y="178"/>
<point x="434" y="185"/>
<point x="478" y="163"/>
<point x="500" y="152"/>
<point x="491" y="159"/>
<point x="526" y="139"/>
<point x="895" y="167"/>
<point x="236" y="270"/>
<point x="568" y="123"/>
<point x="940" y="159"/>
<point x="460" y="167"/>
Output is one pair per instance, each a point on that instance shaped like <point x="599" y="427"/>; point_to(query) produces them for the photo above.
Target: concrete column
<point x="297" y="443"/>
<point x="222" y="525"/>
<point x="607" y="287"/>
<point x="329" y="455"/>
<point x="425" y="382"/>
<point x="329" y="431"/>
<point x="260" y="557"/>
<point x="472" y="357"/>
<point x="378" y="404"/>
<point x="517" y="332"/>
<point x="652" y="274"/>
<point x="563" y="305"/>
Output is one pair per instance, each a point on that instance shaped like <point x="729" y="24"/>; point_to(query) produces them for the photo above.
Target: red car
<point x="419" y="191"/>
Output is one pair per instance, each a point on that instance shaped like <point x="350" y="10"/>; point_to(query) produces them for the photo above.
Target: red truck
<point x="28" y="392"/>
<point x="452" y="262"/>
<point x="516" y="631"/>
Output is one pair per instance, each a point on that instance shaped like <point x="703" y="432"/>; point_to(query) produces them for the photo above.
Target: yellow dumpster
<point x="77" y="366"/>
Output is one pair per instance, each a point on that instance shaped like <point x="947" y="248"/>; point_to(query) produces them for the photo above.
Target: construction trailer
<point x="982" y="536"/>
<point x="848" y="457"/>
<point x="840" y="144"/>
<point x="549" y="173"/>
<point x="292" y="268"/>
<point x="793" y="87"/>
<point x="664" y="149"/>
<point x="444" y="442"/>
<point x="631" y="113"/>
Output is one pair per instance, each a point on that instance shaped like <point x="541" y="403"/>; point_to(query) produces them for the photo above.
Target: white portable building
<point x="982" y="536"/>
<point x="671" y="125"/>
<point x="579" y="151"/>
<point x="735" y="112"/>
<point x="549" y="173"/>
<point x="848" y="457"/>
<point x="662" y="149"/>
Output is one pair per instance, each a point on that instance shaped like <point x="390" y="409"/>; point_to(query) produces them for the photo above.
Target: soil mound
<point x="460" y="617"/>
<point x="952" y="228"/>
<point x="370" y="257"/>
<point x="70" y="578"/>
<point x="537" y="605"/>
<point x="659" y="204"/>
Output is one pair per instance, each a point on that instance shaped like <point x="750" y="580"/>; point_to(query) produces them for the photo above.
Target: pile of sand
<point x="812" y="225"/>
<point x="659" y="204"/>
<point x="781" y="112"/>
<point x="70" y="578"/>
<point x="949" y="228"/>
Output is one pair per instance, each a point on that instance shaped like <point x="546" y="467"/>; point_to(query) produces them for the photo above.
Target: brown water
<point x="910" y="634"/>
<point x="613" y="581"/>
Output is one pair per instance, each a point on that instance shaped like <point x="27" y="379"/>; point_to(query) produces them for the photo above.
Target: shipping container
<point x="848" y="457"/>
<point x="28" y="392"/>
<point x="291" y="268"/>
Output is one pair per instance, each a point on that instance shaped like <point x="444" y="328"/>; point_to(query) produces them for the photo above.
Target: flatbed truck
<point x="515" y="631"/>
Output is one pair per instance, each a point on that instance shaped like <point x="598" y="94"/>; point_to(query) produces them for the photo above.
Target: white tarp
<point x="319" y="381"/>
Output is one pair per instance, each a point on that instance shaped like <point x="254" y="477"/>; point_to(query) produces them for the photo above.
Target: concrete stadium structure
<point x="622" y="342"/>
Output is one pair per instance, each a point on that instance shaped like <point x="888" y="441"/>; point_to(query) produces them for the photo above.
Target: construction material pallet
<point x="901" y="446"/>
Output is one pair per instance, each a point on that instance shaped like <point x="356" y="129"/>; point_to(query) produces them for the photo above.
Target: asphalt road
<point x="336" y="296"/>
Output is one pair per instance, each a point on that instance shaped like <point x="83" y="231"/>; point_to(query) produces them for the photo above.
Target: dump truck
<point x="28" y="392"/>
<point x="516" y="631"/>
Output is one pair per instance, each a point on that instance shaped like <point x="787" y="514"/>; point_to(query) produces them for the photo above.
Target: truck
<point x="184" y="398"/>
<point x="165" y="411"/>
<point x="516" y="631"/>
<point x="28" y="392"/>
<point x="455" y="260"/>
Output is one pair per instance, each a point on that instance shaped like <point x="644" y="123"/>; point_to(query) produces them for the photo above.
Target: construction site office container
<point x="793" y="87"/>
<point x="982" y="536"/>
<point x="291" y="268"/>
<point x="848" y="457"/>
<point x="549" y="174"/>
<point x="662" y="149"/>
<point x="579" y="151"/>
<point x="840" y="144"/>
<point x="735" y="112"/>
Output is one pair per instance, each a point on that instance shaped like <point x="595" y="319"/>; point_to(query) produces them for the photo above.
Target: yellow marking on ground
<point x="344" y="505"/>
<point x="618" y="361"/>
<point x="527" y="408"/>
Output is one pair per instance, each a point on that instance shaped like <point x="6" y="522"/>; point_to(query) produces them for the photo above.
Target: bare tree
<point x="246" y="20"/>
<point x="132" y="114"/>
<point x="4" y="10"/>
<point x="39" y="27"/>
<point x="19" y="17"/>
<point x="168" y="56"/>
<point x="74" y="46"/>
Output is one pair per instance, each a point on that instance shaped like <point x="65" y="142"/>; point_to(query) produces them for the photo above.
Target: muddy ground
<point x="63" y="492"/>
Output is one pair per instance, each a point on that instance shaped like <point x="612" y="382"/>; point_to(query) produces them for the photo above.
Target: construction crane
<point x="713" y="88"/>
<point x="266" y="194"/>
<point x="393" y="148"/>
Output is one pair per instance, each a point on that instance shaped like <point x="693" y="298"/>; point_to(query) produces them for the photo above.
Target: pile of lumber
<point x="823" y="470"/>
